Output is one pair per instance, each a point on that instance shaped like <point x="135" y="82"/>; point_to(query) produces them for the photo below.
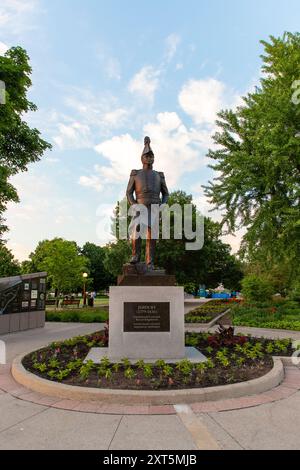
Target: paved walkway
<point x="27" y="421"/>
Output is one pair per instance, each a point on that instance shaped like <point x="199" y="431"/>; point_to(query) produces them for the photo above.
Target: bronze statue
<point x="147" y="185"/>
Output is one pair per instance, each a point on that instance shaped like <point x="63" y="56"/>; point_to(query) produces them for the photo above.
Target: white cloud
<point x="203" y="99"/>
<point x="145" y="82"/>
<point x="172" y="42"/>
<point x="122" y="153"/>
<point x="116" y="118"/>
<point x="3" y="48"/>
<point x="16" y="15"/>
<point x="179" y="66"/>
<point x="91" y="182"/>
<point x="175" y="147"/>
<point x="74" y="135"/>
<point x="89" y="116"/>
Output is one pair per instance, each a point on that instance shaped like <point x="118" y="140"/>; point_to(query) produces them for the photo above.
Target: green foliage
<point x="185" y="367"/>
<point x="85" y="369"/>
<point x="63" y="262"/>
<point x="101" y="278"/>
<point x="258" y="160"/>
<point x="206" y="312"/>
<point x="191" y="339"/>
<point x="42" y="367"/>
<point x="62" y="374"/>
<point x="148" y="370"/>
<point x="78" y="315"/>
<point x="140" y="364"/>
<point x="125" y="362"/>
<point x="74" y="365"/>
<point x="280" y="314"/>
<point x="201" y="367"/>
<point x="53" y="363"/>
<point x="116" y="254"/>
<point x="255" y="288"/>
<point x="129" y="373"/>
<point x="295" y="291"/>
<point x="167" y="370"/>
<point x="19" y="144"/>
<point x="8" y="265"/>
<point x="105" y="362"/>
<point x="160" y="363"/>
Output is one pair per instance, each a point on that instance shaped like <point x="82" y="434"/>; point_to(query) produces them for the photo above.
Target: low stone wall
<point x="13" y="322"/>
<point x="148" y="397"/>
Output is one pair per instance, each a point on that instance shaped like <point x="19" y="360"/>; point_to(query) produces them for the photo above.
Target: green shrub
<point x="256" y="288"/>
<point x="295" y="292"/>
<point x="78" y="315"/>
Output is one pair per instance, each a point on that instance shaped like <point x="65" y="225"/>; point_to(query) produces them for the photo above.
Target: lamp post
<point x="84" y="275"/>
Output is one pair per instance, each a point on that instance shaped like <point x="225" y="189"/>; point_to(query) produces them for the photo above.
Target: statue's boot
<point x="136" y="250"/>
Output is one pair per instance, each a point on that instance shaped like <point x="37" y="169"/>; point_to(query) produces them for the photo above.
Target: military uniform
<point x="147" y="185"/>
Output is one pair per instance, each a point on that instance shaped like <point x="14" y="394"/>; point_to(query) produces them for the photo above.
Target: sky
<point x="107" y="73"/>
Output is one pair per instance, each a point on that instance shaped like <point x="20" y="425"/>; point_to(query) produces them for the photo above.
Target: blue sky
<point x="106" y="73"/>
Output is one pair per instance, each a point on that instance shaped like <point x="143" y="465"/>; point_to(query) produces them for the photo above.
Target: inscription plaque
<point x="146" y="316"/>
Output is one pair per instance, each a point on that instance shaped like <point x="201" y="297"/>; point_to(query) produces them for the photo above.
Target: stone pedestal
<point x="146" y="323"/>
<point x="139" y="275"/>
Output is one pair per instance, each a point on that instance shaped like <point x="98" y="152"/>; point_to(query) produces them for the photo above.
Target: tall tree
<point x="9" y="266"/>
<point x="63" y="262"/>
<point x="116" y="254"/>
<point x="258" y="159"/>
<point x="101" y="278"/>
<point x="19" y="144"/>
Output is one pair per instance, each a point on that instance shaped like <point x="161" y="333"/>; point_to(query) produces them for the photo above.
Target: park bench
<point x="68" y="302"/>
<point x="50" y="301"/>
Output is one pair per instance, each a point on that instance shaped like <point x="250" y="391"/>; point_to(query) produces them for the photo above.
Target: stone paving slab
<point x="271" y="426"/>
<point x="223" y="437"/>
<point x="59" y="429"/>
<point x="14" y="411"/>
<point x="152" y="432"/>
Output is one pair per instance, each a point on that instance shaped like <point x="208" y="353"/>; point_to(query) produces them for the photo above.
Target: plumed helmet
<point x="147" y="148"/>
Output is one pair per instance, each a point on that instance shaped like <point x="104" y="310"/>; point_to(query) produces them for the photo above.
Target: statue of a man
<point x="147" y="185"/>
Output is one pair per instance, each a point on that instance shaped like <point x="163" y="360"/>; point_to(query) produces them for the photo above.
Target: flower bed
<point x="230" y="359"/>
<point x="207" y="312"/>
<point x="282" y="314"/>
